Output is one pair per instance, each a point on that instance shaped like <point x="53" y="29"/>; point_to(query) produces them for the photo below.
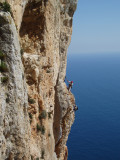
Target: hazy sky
<point x="96" y="27"/>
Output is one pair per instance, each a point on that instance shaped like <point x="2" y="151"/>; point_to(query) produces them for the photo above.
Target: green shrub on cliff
<point x="30" y="115"/>
<point x="3" y="67"/>
<point x="30" y="100"/>
<point x="43" y="115"/>
<point x="4" y="79"/>
<point x="7" y="100"/>
<point x="22" y="51"/>
<point x="5" y="7"/>
<point x="2" y="56"/>
<point x="40" y="128"/>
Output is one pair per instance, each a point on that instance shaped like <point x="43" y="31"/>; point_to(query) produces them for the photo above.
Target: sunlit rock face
<point x="36" y="121"/>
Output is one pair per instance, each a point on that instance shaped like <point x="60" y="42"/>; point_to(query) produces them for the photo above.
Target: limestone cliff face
<point x="36" y="107"/>
<point x="14" y="122"/>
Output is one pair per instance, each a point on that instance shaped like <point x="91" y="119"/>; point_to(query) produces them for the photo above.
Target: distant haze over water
<point x="95" y="134"/>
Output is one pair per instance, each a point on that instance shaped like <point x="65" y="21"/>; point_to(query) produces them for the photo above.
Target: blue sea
<point x="95" y="134"/>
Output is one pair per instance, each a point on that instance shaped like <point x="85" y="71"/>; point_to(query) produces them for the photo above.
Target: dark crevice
<point x="57" y="118"/>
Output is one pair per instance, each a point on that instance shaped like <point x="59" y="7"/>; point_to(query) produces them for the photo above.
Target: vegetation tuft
<point x="7" y="100"/>
<point x="37" y="158"/>
<point x="3" y="67"/>
<point x="30" y="115"/>
<point x="2" y="56"/>
<point x="21" y="51"/>
<point x="4" y="79"/>
<point x="38" y="127"/>
<point x="30" y="100"/>
<point x="5" y="6"/>
<point x="43" y="115"/>
<point x="30" y="121"/>
<point x="41" y="128"/>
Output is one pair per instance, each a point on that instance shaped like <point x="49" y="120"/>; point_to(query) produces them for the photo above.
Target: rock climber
<point x="75" y="108"/>
<point x="70" y="85"/>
